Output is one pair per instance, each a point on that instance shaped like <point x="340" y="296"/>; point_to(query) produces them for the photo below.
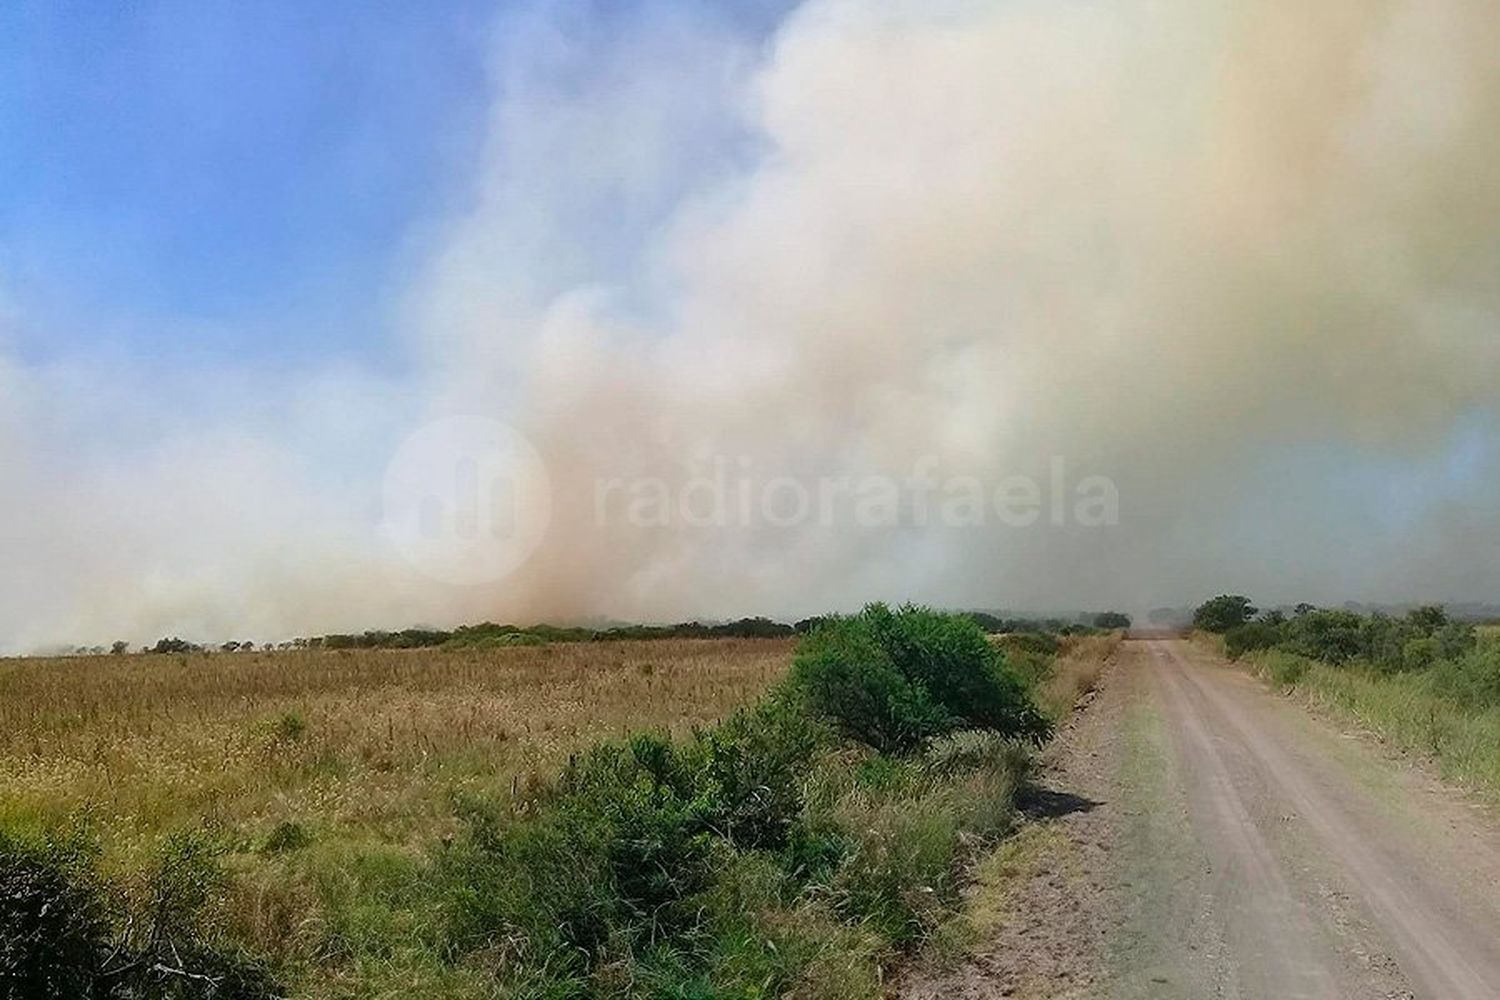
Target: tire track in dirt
<point x="1273" y="938"/>
<point x="1442" y="943"/>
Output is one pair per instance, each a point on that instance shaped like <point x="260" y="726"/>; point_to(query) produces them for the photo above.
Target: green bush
<point x="846" y="677"/>
<point x="895" y="679"/>
<point x="1456" y="639"/>
<point x="1472" y="680"/>
<point x="752" y="767"/>
<point x="1383" y="640"/>
<point x="1223" y="613"/>
<point x="1330" y="636"/>
<point x="1250" y="637"/>
<point x="54" y="925"/>
<point x="1420" y="653"/>
<point x="616" y="849"/>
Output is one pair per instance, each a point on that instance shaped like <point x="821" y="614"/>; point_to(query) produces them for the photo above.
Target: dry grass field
<point x="332" y="774"/>
<point x="356" y="746"/>
<point x="345" y="798"/>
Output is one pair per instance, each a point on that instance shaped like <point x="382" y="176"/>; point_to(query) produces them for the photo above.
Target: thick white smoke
<point x="1238" y="257"/>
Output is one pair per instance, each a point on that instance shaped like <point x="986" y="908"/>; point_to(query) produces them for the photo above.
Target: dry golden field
<point x="338" y="787"/>
<point x="366" y="757"/>
<point x="355" y="745"/>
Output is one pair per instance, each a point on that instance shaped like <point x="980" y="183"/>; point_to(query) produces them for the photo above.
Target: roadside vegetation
<point x="671" y="818"/>
<point x="1423" y="682"/>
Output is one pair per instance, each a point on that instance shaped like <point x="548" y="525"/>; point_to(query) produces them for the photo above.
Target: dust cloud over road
<point x="1238" y="847"/>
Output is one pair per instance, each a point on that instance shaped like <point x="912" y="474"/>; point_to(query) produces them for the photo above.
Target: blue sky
<point x="194" y="182"/>
<point x="183" y="179"/>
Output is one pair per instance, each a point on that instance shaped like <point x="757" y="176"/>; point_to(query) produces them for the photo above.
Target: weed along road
<point x="1236" y="845"/>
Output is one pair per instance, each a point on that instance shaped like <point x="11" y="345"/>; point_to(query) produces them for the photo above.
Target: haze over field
<point x="1239" y="258"/>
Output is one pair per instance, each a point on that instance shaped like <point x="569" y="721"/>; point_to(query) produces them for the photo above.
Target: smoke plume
<point x="1239" y="260"/>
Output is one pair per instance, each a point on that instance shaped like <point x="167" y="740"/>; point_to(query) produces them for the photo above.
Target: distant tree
<point x="985" y="620"/>
<point x="1303" y="609"/>
<point x="1223" y="613"/>
<point x="229" y="647"/>
<point x="1112" y="620"/>
<point x="1428" y="620"/>
<point x="175" y="645"/>
<point x="119" y="647"/>
<point x="1273" y="617"/>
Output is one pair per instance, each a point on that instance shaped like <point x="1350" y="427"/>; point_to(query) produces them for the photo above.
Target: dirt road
<point x="1223" y="842"/>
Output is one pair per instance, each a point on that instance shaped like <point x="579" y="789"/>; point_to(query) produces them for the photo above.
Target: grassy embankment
<point x="1442" y="704"/>
<point x="381" y="823"/>
<point x="1064" y="672"/>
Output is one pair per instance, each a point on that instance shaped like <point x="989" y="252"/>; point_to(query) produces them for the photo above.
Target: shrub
<point x="1223" y="613"/>
<point x="895" y="679"/>
<point x="1456" y="639"/>
<point x="288" y="835"/>
<point x="1250" y="637"/>
<point x="700" y="868"/>
<point x="1030" y="655"/>
<point x="1382" y="639"/>
<point x="1472" y="680"/>
<point x="618" y="846"/>
<point x="953" y="660"/>
<point x="57" y="937"/>
<point x="1420" y="653"/>
<point x="54" y="927"/>
<point x="641" y="802"/>
<point x="1428" y="620"/>
<point x="753" y="766"/>
<point x="534" y="894"/>
<point x="288" y="727"/>
<point x="845" y="676"/>
<point x="182" y="956"/>
<point x="1330" y="636"/>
